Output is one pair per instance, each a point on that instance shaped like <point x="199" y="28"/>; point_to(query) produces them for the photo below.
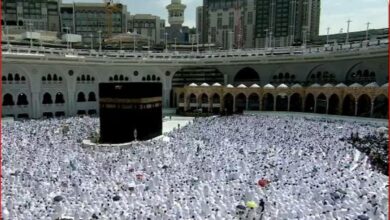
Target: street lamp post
<point x="100" y="40"/>
<point x="148" y="43"/>
<point x="304" y="36"/>
<point x="91" y="35"/>
<point x="347" y="37"/>
<point x="239" y="41"/>
<point x="327" y="35"/>
<point x="209" y="40"/>
<point x="368" y="26"/>
<point x="231" y="40"/>
<point x="7" y="32"/>
<point x="197" y="43"/>
<point x="192" y="43"/>
<point x="166" y="42"/>
<point x="175" y="44"/>
<point x="134" y="42"/>
<point x="30" y="24"/>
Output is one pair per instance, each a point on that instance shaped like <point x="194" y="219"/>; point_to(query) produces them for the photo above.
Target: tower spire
<point x="176" y="13"/>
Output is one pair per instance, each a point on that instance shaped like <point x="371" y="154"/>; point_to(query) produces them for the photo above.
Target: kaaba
<point x="130" y="111"/>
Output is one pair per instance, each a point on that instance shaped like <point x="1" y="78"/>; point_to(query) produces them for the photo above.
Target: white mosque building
<point x="50" y="82"/>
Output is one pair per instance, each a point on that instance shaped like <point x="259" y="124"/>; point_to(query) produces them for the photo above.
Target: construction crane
<point x="111" y="7"/>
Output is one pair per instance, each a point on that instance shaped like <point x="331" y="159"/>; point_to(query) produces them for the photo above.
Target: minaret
<point x="176" y="13"/>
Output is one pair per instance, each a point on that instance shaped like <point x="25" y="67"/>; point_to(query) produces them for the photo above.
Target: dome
<point x="269" y="86"/>
<point x="373" y="84"/>
<point x="296" y="86"/>
<point x="340" y="85"/>
<point x="230" y="86"/>
<point x="241" y="86"/>
<point x="255" y="86"/>
<point x="315" y="85"/>
<point x="328" y="85"/>
<point x="385" y="85"/>
<point x="355" y="85"/>
<point x="282" y="86"/>
<point x="217" y="84"/>
<point x="193" y="85"/>
<point x="204" y="84"/>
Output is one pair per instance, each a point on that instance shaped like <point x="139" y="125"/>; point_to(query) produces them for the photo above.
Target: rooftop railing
<point x="9" y="49"/>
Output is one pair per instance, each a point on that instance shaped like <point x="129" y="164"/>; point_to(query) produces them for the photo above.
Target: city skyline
<point x="333" y="14"/>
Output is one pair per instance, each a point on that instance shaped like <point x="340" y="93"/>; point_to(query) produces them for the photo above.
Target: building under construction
<point x="93" y="21"/>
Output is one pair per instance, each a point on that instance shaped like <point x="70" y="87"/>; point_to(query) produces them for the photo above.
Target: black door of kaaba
<point x="125" y="107"/>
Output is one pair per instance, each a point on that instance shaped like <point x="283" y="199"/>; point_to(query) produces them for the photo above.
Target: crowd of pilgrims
<point x="237" y="167"/>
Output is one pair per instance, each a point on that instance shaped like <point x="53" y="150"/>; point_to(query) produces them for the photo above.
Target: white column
<point x="356" y="107"/>
<point x="372" y="109"/>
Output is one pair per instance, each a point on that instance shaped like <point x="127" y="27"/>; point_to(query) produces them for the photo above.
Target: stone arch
<point x="154" y="77"/>
<point x="381" y="107"/>
<point x="81" y="97"/>
<point x="216" y="103"/>
<point x="228" y="103"/>
<point x="192" y="101"/>
<point x="311" y="76"/>
<point x="91" y="97"/>
<point x="181" y="98"/>
<point x="334" y="105"/>
<point x="48" y="77"/>
<point x="281" y="102"/>
<point x="148" y="78"/>
<point x="17" y="77"/>
<point x="360" y="73"/>
<point x="268" y="102"/>
<point x="121" y="78"/>
<point x="179" y="102"/>
<point x="296" y="102"/>
<point x="321" y="103"/>
<point x="247" y="76"/>
<point x="240" y="103"/>
<point x="204" y="100"/>
<point x="47" y="99"/>
<point x="349" y="105"/>
<point x="22" y="99"/>
<point x="8" y="100"/>
<point x="10" y="77"/>
<point x="309" y="103"/>
<point x="254" y="102"/>
<point x="364" y="106"/>
<point x="116" y="78"/>
<point x="55" y="78"/>
<point x="59" y="98"/>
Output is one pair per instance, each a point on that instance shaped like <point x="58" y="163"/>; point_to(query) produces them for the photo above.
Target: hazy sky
<point x="334" y="13"/>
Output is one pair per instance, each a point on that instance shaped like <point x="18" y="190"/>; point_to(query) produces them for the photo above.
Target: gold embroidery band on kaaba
<point x="149" y="100"/>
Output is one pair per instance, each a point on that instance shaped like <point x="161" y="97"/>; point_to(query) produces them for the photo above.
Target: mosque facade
<point x="38" y="82"/>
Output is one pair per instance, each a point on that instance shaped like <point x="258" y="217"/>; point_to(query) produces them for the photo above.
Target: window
<point x="250" y="18"/>
<point x="219" y="23"/>
<point x="81" y="97"/>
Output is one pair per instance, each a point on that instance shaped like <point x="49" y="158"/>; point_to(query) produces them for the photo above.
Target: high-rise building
<point x="31" y="15"/>
<point x="200" y="25"/>
<point x="147" y="25"/>
<point x="286" y="22"/>
<point x="88" y="19"/>
<point x="229" y="24"/>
